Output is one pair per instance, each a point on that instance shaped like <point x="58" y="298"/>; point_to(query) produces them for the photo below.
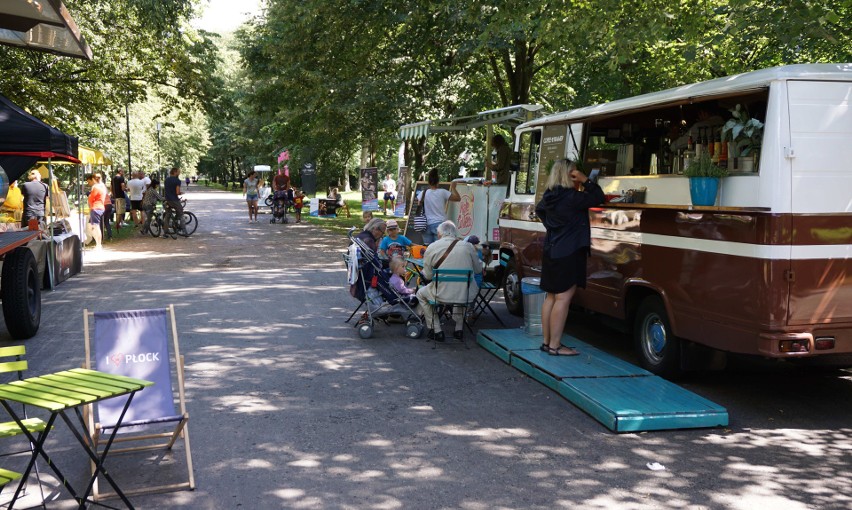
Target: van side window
<point x="665" y="139"/>
<point x="525" y="180"/>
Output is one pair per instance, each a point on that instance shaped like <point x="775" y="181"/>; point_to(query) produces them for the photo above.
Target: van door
<point x="820" y="153"/>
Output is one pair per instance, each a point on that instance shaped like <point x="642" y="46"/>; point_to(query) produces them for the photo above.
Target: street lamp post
<point x="159" y="127"/>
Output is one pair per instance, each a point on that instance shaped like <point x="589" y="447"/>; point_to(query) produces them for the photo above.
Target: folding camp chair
<point x="11" y="428"/>
<point x="135" y="343"/>
<point x="441" y="278"/>
<point x="487" y="291"/>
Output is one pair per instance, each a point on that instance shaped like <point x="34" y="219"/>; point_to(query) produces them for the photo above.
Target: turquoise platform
<point x="622" y="396"/>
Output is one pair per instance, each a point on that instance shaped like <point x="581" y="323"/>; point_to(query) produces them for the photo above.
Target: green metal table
<point x="58" y="393"/>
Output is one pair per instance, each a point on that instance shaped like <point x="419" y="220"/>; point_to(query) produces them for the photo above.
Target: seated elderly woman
<point x="373" y="231"/>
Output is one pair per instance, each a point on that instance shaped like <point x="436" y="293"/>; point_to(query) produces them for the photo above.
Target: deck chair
<point x="12" y="360"/>
<point x="135" y="343"/>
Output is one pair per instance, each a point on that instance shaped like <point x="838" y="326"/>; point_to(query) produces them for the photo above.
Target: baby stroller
<point x="280" y="202"/>
<point x="370" y="285"/>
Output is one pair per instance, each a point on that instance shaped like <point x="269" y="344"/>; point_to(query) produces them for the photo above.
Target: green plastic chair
<point x="441" y="277"/>
<point x="12" y="361"/>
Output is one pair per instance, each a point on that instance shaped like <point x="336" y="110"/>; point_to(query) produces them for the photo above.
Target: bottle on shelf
<point x="723" y="152"/>
<point x="699" y="145"/>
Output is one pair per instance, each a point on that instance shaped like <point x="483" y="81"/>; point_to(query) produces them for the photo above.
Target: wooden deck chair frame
<point x="181" y="429"/>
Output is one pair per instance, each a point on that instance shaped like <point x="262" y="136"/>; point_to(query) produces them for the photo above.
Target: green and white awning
<point x="516" y="114"/>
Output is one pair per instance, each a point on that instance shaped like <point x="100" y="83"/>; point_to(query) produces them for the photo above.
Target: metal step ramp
<point x="622" y="396"/>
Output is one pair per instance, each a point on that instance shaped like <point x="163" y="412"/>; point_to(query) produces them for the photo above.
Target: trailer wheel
<point x="658" y="347"/>
<point x="20" y="291"/>
<point x="512" y="290"/>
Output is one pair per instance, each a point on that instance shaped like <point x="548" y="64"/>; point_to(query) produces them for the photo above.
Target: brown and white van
<point x="766" y="271"/>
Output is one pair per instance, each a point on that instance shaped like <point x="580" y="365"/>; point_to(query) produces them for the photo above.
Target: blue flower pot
<point x="703" y="190"/>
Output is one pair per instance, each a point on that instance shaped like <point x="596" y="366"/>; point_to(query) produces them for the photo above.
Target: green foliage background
<point x="333" y="80"/>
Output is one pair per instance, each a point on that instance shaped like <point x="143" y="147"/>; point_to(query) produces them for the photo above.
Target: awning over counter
<point x="89" y="156"/>
<point x="516" y="114"/>
<point x="45" y="25"/>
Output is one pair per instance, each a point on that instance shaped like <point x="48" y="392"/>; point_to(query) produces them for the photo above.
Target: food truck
<point x="766" y="270"/>
<point x="479" y="208"/>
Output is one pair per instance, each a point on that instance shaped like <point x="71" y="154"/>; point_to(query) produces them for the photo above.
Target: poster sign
<point x="464" y="218"/>
<point x="553" y="143"/>
<point x="401" y="191"/>
<point x="369" y="189"/>
<point x="309" y="178"/>
<point x="314" y="207"/>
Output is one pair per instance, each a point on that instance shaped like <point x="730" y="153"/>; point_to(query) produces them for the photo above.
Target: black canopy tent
<point x="25" y="139"/>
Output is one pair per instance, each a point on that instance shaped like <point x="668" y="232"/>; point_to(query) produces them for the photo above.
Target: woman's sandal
<point x="559" y="352"/>
<point x="544" y="348"/>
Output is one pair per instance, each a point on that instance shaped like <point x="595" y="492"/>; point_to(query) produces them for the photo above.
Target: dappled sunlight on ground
<point x="291" y="409"/>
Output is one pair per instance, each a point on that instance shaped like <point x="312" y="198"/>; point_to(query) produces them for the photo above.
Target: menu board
<point x="553" y="143"/>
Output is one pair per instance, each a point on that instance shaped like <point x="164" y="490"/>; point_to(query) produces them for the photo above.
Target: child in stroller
<point x="281" y="201"/>
<point x="371" y="284"/>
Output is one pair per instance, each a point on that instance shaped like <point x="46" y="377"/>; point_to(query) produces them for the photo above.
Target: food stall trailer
<point x="24" y="140"/>
<point x="478" y="211"/>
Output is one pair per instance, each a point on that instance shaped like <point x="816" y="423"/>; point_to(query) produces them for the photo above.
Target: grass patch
<point x="341" y="224"/>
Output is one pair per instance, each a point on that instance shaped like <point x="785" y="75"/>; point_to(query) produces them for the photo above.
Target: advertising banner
<point x="135" y="344"/>
<point x="402" y="191"/>
<point x="309" y="178"/>
<point x="369" y="189"/>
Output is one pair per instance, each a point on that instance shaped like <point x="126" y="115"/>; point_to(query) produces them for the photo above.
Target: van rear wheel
<point x="512" y="290"/>
<point x="656" y="344"/>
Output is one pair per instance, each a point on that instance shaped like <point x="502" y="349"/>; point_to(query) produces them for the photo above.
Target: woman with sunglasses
<point x="564" y="211"/>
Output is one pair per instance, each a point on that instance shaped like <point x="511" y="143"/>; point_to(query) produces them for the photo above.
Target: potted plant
<point x="746" y="133"/>
<point x="704" y="178"/>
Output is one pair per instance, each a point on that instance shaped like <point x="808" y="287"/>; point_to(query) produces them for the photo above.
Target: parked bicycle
<point x="164" y="222"/>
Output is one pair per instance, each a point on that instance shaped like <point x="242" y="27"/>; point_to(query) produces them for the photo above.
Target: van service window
<point x="660" y="141"/>
<point x="525" y="182"/>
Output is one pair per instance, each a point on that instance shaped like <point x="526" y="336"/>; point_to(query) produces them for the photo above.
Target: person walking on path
<point x="564" y="211"/>
<point x="250" y="189"/>
<point x="34" y="193"/>
<point x="136" y="187"/>
<point x="389" y="185"/>
<point x="119" y="195"/>
<point x="435" y="204"/>
<point x="97" y="204"/>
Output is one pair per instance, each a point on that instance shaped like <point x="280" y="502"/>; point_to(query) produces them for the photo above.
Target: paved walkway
<point x="290" y="409"/>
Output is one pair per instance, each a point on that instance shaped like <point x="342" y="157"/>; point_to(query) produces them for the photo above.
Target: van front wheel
<point x="512" y="290"/>
<point x="656" y="344"/>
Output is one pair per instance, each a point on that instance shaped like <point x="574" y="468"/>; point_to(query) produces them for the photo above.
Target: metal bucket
<point x="533" y="300"/>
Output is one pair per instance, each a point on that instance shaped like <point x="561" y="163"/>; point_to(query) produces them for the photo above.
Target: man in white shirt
<point x="389" y="186"/>
<point x="136" y="189"/>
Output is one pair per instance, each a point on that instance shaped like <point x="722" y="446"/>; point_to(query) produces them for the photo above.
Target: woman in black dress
<point x="564" y="211"/>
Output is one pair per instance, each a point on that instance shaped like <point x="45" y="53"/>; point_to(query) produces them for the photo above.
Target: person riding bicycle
<point x="149" y="202"/>
<point x="173" y="192"/>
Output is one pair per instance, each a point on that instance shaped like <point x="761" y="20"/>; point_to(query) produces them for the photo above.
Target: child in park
<point x="366" y="216"/>
<point x="397" y="279"/>
<point x="298" y="203"/>
<point x="393" y="237"/>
